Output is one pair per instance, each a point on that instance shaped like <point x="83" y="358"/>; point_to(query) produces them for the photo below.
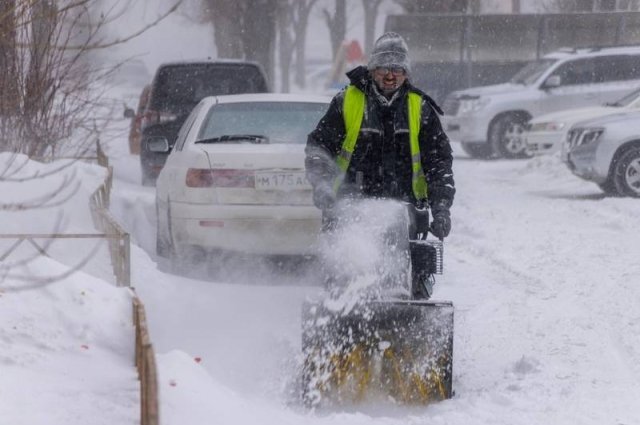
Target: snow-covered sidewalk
<point x="67" y="346"/>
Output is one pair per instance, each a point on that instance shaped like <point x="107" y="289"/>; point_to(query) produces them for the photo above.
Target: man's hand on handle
<point x="441" y="223"/>
<point x="323" y="196"/>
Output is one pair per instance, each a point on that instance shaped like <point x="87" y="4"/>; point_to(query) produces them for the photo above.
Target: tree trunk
<point x="226" y="16"/>
<point x="285" y="22"/>
<point x="9" y="105"/>
<point x="39" y="88"/>
<point x="370" y="17"/>
<point x="300" y="29"/>
<point x="337" y="24"/>
<point x="260" y="32"/>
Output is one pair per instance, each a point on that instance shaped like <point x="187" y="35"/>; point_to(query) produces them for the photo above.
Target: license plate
<point x="281" y="181"/>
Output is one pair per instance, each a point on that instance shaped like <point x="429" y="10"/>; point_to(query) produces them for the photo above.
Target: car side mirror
<point x="158" y="144"/>
<point x="129" y="113"/>
<point x="552" y="82"/>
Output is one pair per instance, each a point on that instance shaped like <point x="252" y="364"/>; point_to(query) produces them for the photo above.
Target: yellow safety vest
<point x="353" y="112"/>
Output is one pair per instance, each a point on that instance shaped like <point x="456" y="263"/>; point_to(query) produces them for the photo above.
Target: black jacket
<point x="381" y="162"/>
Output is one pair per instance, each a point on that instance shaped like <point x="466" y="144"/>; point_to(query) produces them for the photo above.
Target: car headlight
<point x="583" y="136"/>
<point x="591" y="135"/>
<point x="472" y="104"/>
<point x="547" y="126"/>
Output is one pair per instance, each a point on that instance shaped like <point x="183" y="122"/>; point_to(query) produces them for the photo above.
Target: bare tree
<point x="50" y="90"/>
<point x="226" y="16"/>
<point x="259" y="33"/>
<point x="244" y="29"/>
<point x="302" y="10"/>
<point x="51" y="96"/>
<point x="370" y="17"/>
<point x="337" y="23"/>
<point x="285" y="38"/>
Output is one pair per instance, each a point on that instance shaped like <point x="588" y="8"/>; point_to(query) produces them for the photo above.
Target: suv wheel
<point x="506" y="137"/>
<point x="627" y="173"/>
<point x="477" y="150"/>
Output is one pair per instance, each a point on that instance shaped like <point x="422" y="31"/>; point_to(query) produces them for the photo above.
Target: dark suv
<point x="177" y="88"/>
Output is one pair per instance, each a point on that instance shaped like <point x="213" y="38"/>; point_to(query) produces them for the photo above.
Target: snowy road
<point x="543" y="271"/>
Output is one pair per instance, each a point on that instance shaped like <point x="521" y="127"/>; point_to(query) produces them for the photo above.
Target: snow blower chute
<point x="371" y="338"/>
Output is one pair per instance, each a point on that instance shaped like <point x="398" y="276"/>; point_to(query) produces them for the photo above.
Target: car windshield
<point x="279" y="122"/>
<point x="186" y="85"/>
<point x="626" y="100"/>
<point x="532" y="71"/>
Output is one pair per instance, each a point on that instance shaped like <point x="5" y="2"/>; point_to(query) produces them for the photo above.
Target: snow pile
<point x="66" y="344"/>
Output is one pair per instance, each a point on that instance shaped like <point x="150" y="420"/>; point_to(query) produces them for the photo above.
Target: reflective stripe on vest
<point x="353" y="112"/>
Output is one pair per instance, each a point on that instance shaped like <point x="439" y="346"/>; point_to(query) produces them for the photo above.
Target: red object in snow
<point x="84" y="346"/>
<point x="354" y="52"/>
<point x="197" y="359"/>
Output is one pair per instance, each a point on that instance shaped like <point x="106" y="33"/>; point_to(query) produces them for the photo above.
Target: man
<point x="381" y="137"/>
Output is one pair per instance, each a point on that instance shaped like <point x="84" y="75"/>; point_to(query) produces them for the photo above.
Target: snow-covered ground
<point x="541" y="267"/>
<point x="542" y="270"/>
<point x="66" y="345"/>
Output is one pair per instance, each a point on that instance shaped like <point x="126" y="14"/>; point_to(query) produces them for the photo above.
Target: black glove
<point x="323" y="196"/>
<point x="441" y="224"/>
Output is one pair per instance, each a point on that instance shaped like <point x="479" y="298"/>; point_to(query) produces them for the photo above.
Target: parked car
<point x="235" y="179"/>
<point x="177" y="88"/>
<point x="546" y="133"/>
<point x="491" y="120"/>
<point x="606" y="151"/>
<point x="135" y="128"/>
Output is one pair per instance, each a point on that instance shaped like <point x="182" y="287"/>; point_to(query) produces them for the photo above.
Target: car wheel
<point x="506" y="137"/>
<point x="477" y="150"/>
<point x="627" y="173"/>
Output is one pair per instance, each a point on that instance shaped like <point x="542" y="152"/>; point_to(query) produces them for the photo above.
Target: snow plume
<point x="366" y="253"/>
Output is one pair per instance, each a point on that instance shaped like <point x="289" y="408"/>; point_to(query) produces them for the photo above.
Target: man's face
<point x="389" y="79"/>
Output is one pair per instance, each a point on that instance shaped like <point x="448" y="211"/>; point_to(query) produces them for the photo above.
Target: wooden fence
<point x="146" y="364"/>
<point x="119" y="250"/>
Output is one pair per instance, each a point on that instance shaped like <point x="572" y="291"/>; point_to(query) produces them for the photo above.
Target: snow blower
<point x="371" y="339"/>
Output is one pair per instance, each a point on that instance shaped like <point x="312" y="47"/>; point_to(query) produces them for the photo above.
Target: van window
<point x="180" y="86"/>
<point x="617" y="68"/>
<point x="579" y="71"/>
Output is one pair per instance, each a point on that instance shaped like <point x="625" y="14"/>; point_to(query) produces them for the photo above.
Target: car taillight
<point x="199" y="177"/>
<point x="151" y="117"/>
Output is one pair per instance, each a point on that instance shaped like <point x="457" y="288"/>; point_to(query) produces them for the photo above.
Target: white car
<point x="491" y="120"/>
<point x="235" y="179"/>
<point x="606" y="151"/>
<point x="546" y="133"/>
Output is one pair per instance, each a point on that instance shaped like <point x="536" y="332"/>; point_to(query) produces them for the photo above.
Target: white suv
<point x="490" y="120"/>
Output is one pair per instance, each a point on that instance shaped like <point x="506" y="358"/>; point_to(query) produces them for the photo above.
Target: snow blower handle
<point x="418" y="221"/>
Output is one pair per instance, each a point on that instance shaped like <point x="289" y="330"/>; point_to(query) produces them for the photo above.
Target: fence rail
<point x="119" y="252"/>
<point x="146" y="364"/>
<point x="119" y="242"/>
